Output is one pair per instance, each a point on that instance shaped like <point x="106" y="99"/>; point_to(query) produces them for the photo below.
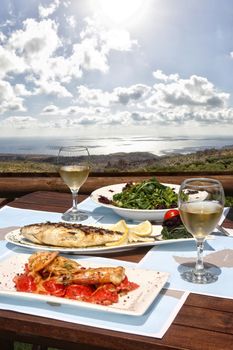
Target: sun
<point x="120" y="11"/>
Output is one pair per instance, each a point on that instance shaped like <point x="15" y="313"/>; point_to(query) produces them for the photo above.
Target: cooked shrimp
<point x="100" y="275"/>
<point x="62" y="266"/>
<point x="40" y="260"/>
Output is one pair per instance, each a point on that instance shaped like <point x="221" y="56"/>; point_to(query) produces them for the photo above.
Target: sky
<point x="115" y="67"/>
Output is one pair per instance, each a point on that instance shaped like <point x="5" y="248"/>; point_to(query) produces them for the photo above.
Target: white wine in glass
<point x="201" y="203"/>
<point x="74" y="167"/>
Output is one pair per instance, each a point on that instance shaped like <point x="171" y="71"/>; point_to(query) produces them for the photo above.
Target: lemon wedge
<point x="142" y="229"/>
<point x="121" y="241"/>
<point x="120" y="226"/>
<point x="137" y="233"/>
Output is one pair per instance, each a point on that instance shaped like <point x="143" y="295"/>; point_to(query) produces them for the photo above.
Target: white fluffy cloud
<point x="193" y="92"/>
<point x="49" y="10"/>
<point x="38" y="54"/>
<point x="55" y="74"/>
<point x="131" y="94"/>
<point x="8" y="99"/>
<point x="10" y="63"/>
<point x="194" y="100"/>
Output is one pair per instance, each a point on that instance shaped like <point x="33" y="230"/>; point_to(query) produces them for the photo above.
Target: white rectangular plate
<point x="135" y="303"/>
<point x="16" y="238"/>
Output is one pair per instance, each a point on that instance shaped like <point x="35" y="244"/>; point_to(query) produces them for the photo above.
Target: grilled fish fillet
<point x="68" y="235"/>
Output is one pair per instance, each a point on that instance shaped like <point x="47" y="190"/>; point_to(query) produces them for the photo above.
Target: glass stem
<point x="74" y="201"/>
<point x="199" y="268"/>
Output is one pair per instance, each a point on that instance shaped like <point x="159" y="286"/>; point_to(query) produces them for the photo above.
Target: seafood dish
<point x="69" y="235"/>
<point x="49" y="273"/>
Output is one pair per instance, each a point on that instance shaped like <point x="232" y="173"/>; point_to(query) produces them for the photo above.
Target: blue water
<point x="107" y="145"/>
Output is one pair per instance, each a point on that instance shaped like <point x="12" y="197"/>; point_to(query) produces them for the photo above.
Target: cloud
<point x="71" y="21"/>
<point x="38" y="55"/>
<point x="133" y="93"/>
<point x="107" y="38"/>
<point x="93" y="96"/>
<point x="119" y="96"/>
<point x="50" y="87"/>
<point x="2" y="37"/>
<point x="158" y="74"/>
<point x="194" y="92"/>
<point x="19" y="122"/>
<point x="20" y="90"/>
<point x="59" y="66"/>
<point x="97" y="42"/>
<point x="10" y="63"/>
<point x="8" y="99"/>
<point x="49" y="10"/>
<point x="50" y="109"/>
<point x="36" y="42"/>
<point x="176" y="101"/>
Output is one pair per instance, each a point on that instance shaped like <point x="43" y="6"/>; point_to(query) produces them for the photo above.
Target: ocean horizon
<point x="159" y="146"/>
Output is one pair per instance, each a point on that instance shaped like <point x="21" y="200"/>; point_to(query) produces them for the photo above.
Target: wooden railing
<point x="15" y="185"/>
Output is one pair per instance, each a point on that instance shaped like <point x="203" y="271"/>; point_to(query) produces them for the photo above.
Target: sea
<point x="159" y="146"/>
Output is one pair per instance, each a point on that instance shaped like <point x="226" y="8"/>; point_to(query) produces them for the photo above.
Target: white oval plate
<point x="16" y="238"/>
<point x="130" y="214"/>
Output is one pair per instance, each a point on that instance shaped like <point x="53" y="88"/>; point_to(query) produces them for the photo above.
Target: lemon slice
<point x="120" y="226"/>
<point x="142" y="229"/>
<point x="123" y="240"/>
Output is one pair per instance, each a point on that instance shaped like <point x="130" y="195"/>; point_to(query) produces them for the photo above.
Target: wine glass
<point x="201" y="203"/>
<point x="74" y="168"/>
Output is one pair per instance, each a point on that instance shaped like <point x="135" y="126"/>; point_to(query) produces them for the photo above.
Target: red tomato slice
<point x="53" y="288"/>
<point x="171" y="214"/>
<point x="25" y="283"/>
<point x="78" y="292"/>
<point x="127" y="286"/>
<point x="104" y="295"/>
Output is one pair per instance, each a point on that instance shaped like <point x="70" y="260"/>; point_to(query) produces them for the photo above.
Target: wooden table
<point x="203" y="322"/>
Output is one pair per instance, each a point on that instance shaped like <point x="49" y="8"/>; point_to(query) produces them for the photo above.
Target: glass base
<point x="200" y="278"/>
<point x="74" y="215"/>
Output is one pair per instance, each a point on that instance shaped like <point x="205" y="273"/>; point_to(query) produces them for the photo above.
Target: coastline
<point x="209" y="159"/>
<point x="159" y="146"/>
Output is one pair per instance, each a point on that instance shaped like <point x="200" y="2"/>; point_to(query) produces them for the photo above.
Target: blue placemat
<point x="174" y="258"/>
<point x="10" y="216"/>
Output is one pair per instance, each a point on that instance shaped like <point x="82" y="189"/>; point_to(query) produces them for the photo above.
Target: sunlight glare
<point x="120" y="10"/>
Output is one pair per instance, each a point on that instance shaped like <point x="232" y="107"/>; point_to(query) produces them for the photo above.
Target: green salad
<point x="173" y="227"/>
<point x="148" y="194"/>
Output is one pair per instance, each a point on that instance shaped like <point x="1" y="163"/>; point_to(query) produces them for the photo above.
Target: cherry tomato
<point x="78" y="292"/>
<point x="171" y="214"/>
<point x="54" y="288"/>
<point x="25" y="283"/>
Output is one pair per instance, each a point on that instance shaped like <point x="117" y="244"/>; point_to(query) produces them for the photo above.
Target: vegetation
<point x="208" y="160"/>
<point x="24" y="346"/>
<point x="21" y="166"/>
<point x="229" y="201"/>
